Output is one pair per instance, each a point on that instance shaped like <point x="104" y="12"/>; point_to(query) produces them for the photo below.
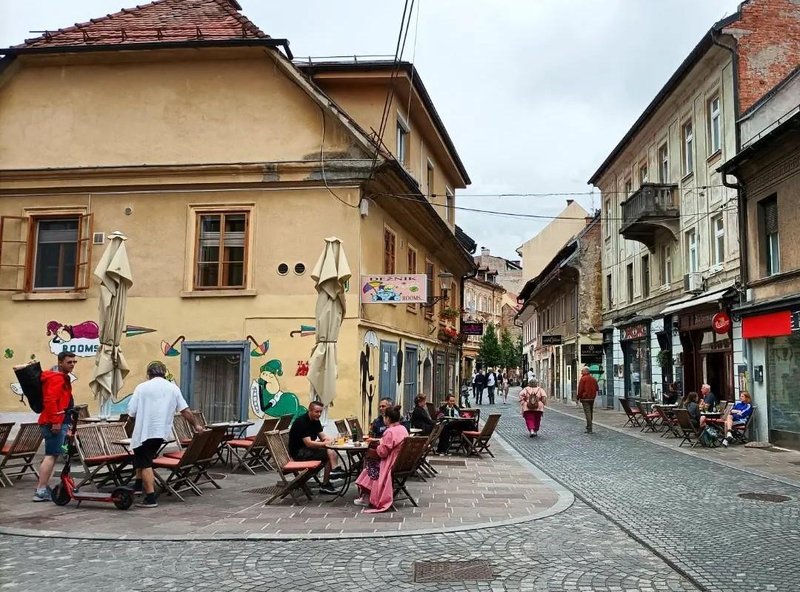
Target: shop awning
<point x="696" y="301"/>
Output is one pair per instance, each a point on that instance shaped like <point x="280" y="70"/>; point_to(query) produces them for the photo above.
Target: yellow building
<point x="226" y="165"/>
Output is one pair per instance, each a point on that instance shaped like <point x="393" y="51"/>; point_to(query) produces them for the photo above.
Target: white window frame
<point x="692" y="262"/>
<point x="663" y="163"/>
<point x="450" y="205"/>
<point x="718" y="228"/>
<point x="644" y="173"/>
<point x="609" y="218"/>
<point x="714" y="125"/>
<point x="687" y="134"/>
<point x="403" y="131"/>
<point x="773" y="248"/>
<point x="666" y="262"/>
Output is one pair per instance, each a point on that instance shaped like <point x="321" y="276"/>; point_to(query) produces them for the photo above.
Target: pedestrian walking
<point x="587" y="391"/>
<point x="475" y="385"/>
<point x="506" y="386"/>
<point x="491" y="384"/>
<point x="532" y="400"/>
<point x="480" y="381"/>
<point x="57" y="400"/>
<point x="154" y="403"/>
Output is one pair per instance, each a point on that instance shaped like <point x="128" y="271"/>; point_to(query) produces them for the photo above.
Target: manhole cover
<point x="450" y="462"/>
<point x="452" y="571"/>
<point x="765" y="497"/>
<point x="270" y="490"/>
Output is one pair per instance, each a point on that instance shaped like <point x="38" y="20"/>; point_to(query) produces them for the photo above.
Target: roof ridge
<point x="228" y="6"/>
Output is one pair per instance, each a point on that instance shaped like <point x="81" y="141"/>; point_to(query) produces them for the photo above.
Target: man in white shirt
<point x="491" y="383"/>
<point x="153" y="405"/>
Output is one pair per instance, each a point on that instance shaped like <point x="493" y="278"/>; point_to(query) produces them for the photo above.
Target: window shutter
<point x="83" y="269"/>
<point x="13" y="252"/>
<point x="771" y="216"/>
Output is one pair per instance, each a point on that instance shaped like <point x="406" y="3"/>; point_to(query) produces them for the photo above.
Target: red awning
<point x="772" y="324"/>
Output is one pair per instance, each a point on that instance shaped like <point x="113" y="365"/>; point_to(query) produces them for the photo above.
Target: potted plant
<point x="664" y="358"/>
<point x="449" y="312"/>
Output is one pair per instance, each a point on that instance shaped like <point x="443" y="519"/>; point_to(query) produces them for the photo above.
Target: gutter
<point x="195" y="44"/>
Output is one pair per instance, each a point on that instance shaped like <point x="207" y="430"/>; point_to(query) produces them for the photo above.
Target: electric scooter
<point x="65" y="491"/>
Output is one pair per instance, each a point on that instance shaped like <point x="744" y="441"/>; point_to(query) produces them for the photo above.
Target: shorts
<point x="143" y="455"/>
<point x="53" y="443"/>
<point x="312" y="454"/>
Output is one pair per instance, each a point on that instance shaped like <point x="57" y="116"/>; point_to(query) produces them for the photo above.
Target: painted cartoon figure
<point x="266" y="396"/>
<point x="62" y="333"/>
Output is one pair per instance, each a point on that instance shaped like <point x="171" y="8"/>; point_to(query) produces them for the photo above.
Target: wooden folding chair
<point x="688" y="431"/>
<point x="112" y="433"/>
<point x="181" y="430"/>
<point x="424" y="468"/>
<point x="182" y="469"/>
<point x="633" y="413"/>
<point x="99" y="466"/>
<point x="472" y="413"/>
<point x="284" y="421"/>
<point x="20" y="453"/>
<point x="355" y="426"/>
<point x="208" y="456"/>
<point x="341" y="427"/>
<point x="475" y="442"/>
<point x="411" y="450"/>
<point x="650" y="419"/>
<point x="5" y="450"/>
<point x="740" y="433"/>
<point x="301" y="471"/>
<point x="199" y="417"/>
<point x="668" y="420"/>
<point x="83" y="412"/>
<point x="255" y="452"/>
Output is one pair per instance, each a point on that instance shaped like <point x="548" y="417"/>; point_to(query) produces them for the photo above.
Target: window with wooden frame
<point x="221" y="250"/>
<point x="411" y="264"/>
<point x="45" y="252"/>
<point x="389" y="251"/>
<point x="429" y="180"/>
<point x="430" y="275"/>
<point x="450" y="205"/>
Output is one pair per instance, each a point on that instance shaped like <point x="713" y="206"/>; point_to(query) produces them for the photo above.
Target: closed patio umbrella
<point x="330" y="274"/>
<point x="114" y="273"/>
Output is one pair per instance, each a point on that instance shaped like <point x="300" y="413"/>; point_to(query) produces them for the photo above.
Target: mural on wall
<point x="302" y="368"/>
<point x="118" y="406"/>
<point x="8" y="353"/>
<point x="134" y="330"/>
<point x="303" y="331"/>
<point x="170" y="350"/>
<point x="82" y="339"/>
<point x="260" y="348"/>
<point x="367" y="367"/>
<point x="267" y="398"/>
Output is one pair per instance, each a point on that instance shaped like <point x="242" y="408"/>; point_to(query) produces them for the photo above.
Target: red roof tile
<point x="162" y="21"/>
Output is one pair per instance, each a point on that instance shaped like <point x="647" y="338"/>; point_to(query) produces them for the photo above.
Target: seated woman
<point x="375" y="481"/>
<point x="693" y="408"/>
<point x="738" y="416"/>
<point x="671" y="395"/>
<point x="420" y="418"/>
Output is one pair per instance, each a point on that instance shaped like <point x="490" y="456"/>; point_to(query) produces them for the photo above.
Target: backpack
<point x="533" y="399"/>
<point x="30" y="380"/>
<point x="708" y="436"/>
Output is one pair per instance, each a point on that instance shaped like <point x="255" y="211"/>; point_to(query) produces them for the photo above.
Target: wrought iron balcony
<point x="651" y="208"/>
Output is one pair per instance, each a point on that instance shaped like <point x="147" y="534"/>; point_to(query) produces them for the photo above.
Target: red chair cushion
<point x="185" y="441"/>
<point x="166" y="462"/>
<point x="174" y="454"/>
<point x="653" y="416"/>
<point x="300" y="465"/>
<point x="471" y="433"/>
<point x="240" y="443"/>
<point x="101" y="460"/>
<point x="6" y="449"/>
<point x="251" y="438"/>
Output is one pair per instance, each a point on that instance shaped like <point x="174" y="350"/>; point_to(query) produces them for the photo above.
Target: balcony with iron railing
<point x="652" y="208"/>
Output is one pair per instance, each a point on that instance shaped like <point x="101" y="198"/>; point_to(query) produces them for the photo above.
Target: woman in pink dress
<point x="532" y="400"/>
<point x="375" y="481"/>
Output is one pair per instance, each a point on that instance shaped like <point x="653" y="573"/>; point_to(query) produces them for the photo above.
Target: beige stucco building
<point x="226" y="165"/>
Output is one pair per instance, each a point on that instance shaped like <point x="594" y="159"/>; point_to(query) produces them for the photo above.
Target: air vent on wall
<point x="98" y="238"/>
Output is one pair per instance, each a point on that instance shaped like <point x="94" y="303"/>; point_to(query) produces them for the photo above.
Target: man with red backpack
<point x="57" y="399"/>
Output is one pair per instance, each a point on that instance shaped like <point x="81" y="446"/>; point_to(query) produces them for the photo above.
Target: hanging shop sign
<point x="470" y="328"/>
<point x="551" y="339"/>
<point x="721" y="323"/>
<point x="637" y="331"/>
<point x="394" y="288"/>
<point x="591" y="353"/>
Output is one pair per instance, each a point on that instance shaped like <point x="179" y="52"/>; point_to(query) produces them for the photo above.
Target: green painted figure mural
<point x="266" y="396"/>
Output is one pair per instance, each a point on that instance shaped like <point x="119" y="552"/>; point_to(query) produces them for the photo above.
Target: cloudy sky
<point x="534" y="93"/>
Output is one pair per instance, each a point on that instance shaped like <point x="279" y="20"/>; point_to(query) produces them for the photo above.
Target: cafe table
<point x="233" y="430"/>
<point x="352" y="455"/>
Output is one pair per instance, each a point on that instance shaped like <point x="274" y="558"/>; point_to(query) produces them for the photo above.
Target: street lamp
<point x="445" y="278"/>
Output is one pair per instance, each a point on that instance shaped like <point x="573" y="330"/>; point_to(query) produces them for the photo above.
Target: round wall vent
<point x="300" y="269"/>
<point x="283" y="269"/>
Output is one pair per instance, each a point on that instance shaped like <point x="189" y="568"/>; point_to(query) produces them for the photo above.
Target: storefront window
<point x="783" y="380"/>
<point x="637" y="369"/>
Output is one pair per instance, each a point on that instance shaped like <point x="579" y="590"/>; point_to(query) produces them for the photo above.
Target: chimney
<point x="485" y="251"/>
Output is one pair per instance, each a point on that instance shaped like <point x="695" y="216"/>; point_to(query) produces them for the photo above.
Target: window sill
<point x="687" y="177"/>
<point x="28" y="296"/>
<point x="217" y="293"/>
<point x="715" y="156"/>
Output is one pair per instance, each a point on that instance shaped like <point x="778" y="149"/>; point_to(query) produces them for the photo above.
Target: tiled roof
<point x="162" y="21"/>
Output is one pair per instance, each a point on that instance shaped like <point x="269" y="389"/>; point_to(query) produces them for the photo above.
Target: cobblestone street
<point x="674" y="504"/>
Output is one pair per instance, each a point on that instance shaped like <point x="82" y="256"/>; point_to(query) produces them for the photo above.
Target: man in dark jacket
<point x="480" y="384"/>
<point x="57" y="399"/>
<point x="587" y="391"/>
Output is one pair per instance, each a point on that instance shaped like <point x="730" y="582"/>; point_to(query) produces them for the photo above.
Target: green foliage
<point x="490" y="351"/>
<point x="511" y="354"/>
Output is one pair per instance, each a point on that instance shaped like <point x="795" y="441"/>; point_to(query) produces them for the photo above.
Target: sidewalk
<point x="780" y="464"/>
<point x="469" y="493"/>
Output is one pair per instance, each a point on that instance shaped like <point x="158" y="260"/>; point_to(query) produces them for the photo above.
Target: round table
<point x="352" y="455"/>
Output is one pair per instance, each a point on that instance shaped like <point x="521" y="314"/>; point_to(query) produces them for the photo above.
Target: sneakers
<point x="530" y="433"/>
<point x="725" y="442"/>
<point x="42" y="495"/>
<point x="338" y="471"/>
<point x="328" y="489"/>
<point x="145" y="503"/>
<point x="534" y="434"/>
<point x="361" y="502"/>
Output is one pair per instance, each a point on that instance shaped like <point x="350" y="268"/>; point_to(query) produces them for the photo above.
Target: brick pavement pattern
<point x="682" y="506"/>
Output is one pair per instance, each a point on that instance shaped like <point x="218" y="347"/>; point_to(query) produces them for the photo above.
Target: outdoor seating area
<point x="672" y="420"/>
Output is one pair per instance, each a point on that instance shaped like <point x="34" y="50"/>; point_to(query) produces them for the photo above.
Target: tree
<point x="509" y="350"/>
<point x="490" y="351"/>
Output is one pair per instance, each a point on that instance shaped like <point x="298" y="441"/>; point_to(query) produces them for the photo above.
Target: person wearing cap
<point x="153" y="405"/>
<point x="273" y="400"/>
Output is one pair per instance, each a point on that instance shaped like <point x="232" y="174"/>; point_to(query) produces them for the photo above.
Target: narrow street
<point x="645" y="518"/>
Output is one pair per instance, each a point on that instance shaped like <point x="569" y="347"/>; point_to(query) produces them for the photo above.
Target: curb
<point x="686" y="451"/>
<point x="564" y="502"/>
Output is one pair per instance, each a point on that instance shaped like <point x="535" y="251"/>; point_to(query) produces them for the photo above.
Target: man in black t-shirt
<point x="307" y="441"/>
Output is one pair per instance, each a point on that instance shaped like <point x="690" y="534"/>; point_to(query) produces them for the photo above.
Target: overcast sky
<point x="534" y="93"/>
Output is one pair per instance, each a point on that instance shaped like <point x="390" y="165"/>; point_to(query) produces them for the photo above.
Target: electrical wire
<point x="322" y="164"/>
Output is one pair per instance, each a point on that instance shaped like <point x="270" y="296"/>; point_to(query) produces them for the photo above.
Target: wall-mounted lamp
<point x="445" y="278"/>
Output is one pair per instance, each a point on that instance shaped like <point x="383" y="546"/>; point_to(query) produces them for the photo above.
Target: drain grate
<point x="450" y="462"/>
<point x="765" y="497"/>
<point x="269" y="490"/>
<point x="452" y="571"/>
